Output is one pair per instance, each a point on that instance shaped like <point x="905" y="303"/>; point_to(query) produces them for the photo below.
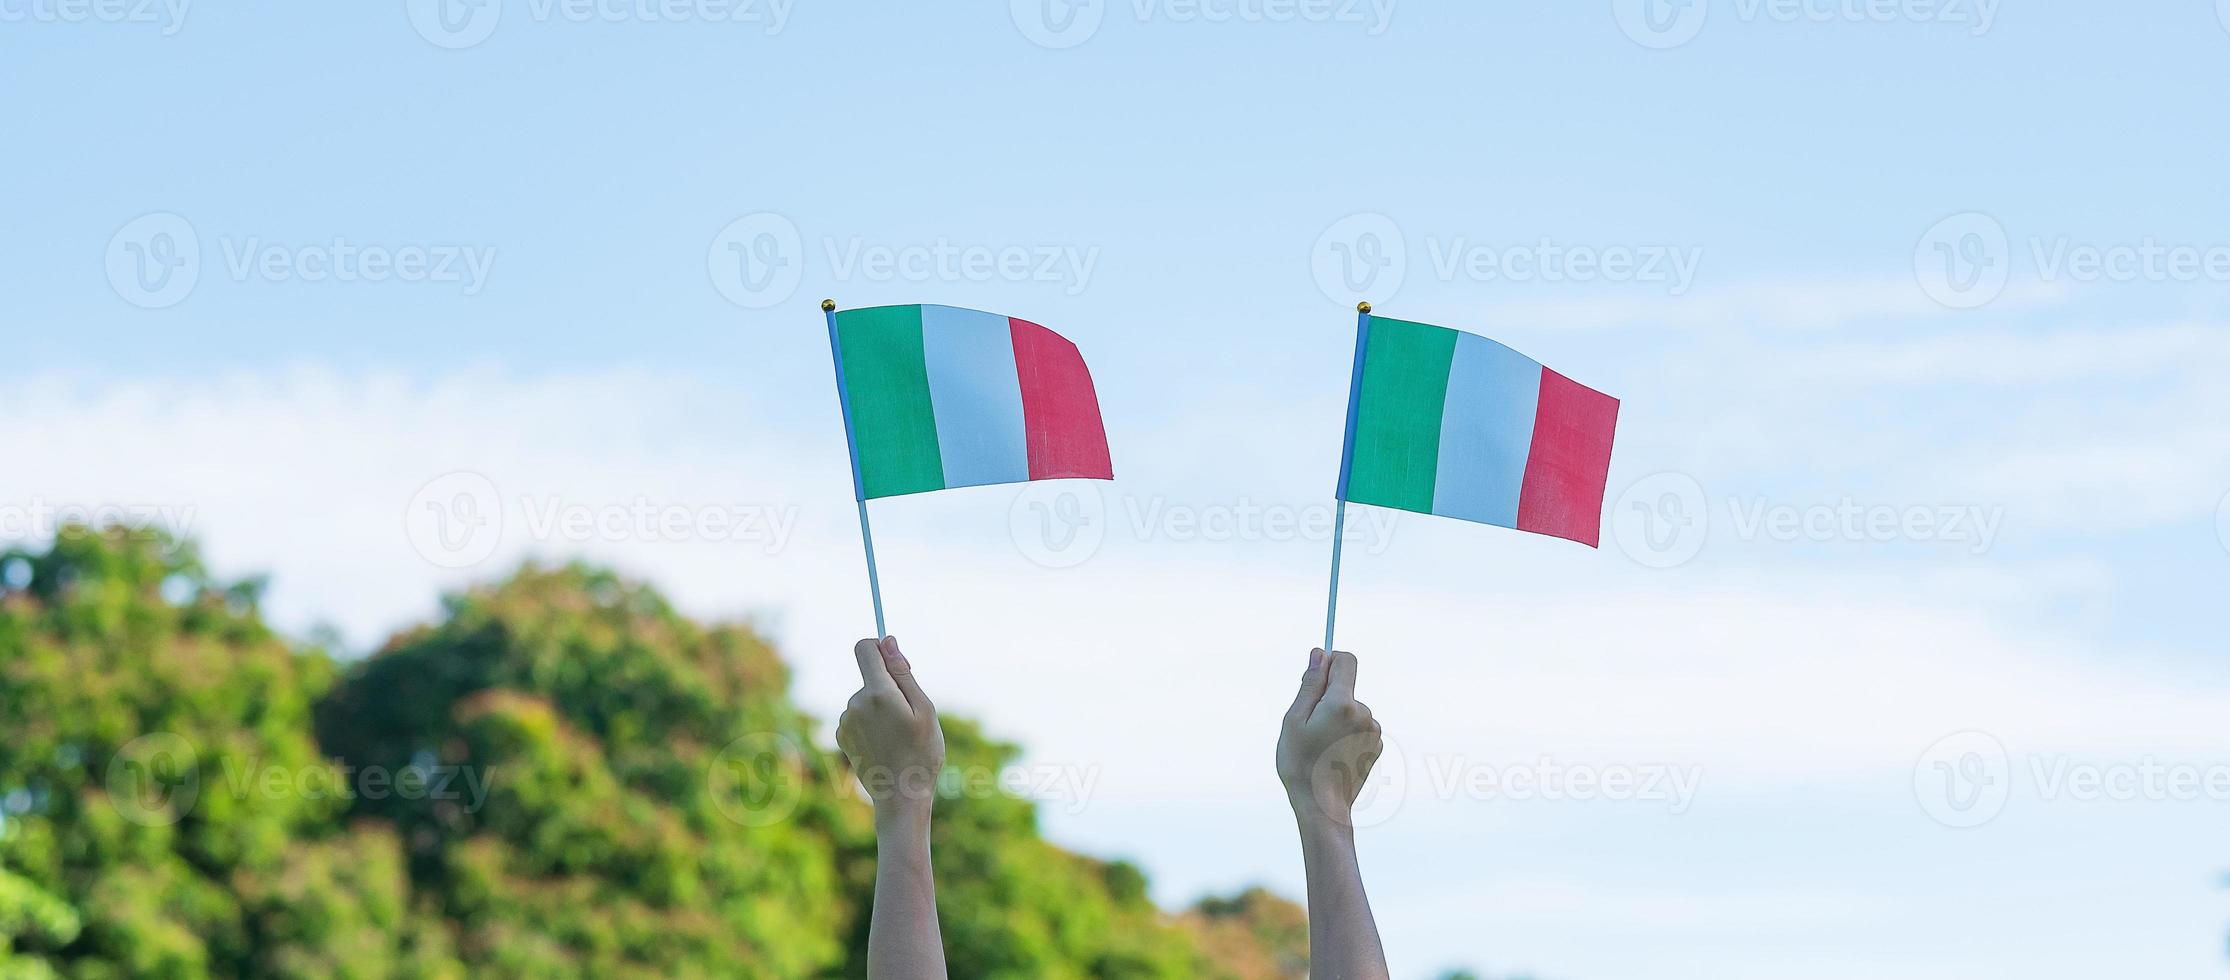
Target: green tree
<point x="631" y="823"/>
<point x="29" y="915"/>
<point x="560" y="777"/>
<point x="1253" y="934"/>
<point x="144" y="703"/>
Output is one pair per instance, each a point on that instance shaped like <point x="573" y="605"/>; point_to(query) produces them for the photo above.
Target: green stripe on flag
<point x="886" y="379"/>
<point x="1397" y="418"/>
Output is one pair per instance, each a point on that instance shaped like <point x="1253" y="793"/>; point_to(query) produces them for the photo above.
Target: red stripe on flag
<point x="1060" y="411"/>
<point x="1569" y="462"/>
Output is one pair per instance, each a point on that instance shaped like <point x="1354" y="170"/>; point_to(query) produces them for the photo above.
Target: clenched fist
<point x="1328" y="742"/>
<point x="890" y="733"/>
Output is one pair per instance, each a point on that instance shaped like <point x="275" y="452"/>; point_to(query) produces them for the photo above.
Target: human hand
<point x="1329" y="741"/>
<point x="889" y="731"/>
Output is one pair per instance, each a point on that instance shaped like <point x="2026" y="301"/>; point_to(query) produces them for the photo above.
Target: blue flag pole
<point x="851" y="449"/>
<point x="1347" y="463"/>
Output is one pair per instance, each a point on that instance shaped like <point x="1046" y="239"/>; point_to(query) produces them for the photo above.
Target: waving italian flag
<point x="937" y="397"/>
<point x="1453" y="424"/>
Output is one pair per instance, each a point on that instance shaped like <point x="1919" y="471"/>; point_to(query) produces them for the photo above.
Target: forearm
<point x="1343" y="937"/>
<point x="903" y="942"/>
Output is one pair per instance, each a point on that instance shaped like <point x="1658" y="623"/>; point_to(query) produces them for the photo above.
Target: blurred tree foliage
<point x="1254" y="933"/>
<point x="561" y="777"/>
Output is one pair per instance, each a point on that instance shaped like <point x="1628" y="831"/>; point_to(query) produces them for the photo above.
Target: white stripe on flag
<point x="975" y="396"/>
<point x="1486" y="431"/>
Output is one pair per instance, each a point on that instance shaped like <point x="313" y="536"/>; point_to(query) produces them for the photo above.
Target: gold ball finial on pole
<point x="1363" y="307"/>
<point x="828" y="306"/>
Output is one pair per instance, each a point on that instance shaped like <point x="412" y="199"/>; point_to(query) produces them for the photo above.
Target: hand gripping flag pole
<point x="851" y="449"/>
<point x="1347" y="462"/>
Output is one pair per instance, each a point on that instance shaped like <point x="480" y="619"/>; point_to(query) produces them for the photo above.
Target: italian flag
<point x="1453" y="424"/>
<point x="937" y="397"/>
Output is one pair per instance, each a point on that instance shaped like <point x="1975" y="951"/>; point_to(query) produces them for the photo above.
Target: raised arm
<point x="890" y="732"/>
<point x="1325" y="751"/>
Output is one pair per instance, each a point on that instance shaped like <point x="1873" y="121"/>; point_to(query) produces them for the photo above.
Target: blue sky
<point x="1897" y="465"/>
